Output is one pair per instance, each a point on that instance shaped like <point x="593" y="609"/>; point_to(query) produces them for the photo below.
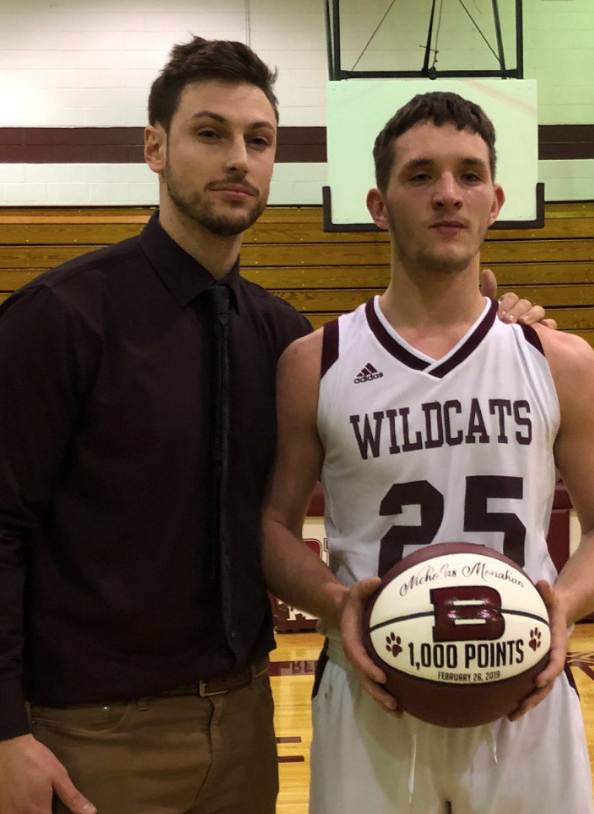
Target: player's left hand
<point x="559" y="641"/>
<point x="511" y="307"/>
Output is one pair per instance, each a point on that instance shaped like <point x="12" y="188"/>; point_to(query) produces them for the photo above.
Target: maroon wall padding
<point x="558" y="534"/>
<point x="558" y="537"/>
<point x="281" y="611"/>
<point x="561" y="499"/>
<point x="316" y="504"/>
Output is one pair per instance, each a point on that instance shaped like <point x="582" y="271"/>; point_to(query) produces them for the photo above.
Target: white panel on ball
<point x="405" y="612"/>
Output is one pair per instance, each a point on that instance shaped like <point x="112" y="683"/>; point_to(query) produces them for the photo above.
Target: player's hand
<point x="30" y="775"/>
<point x="351" y="629"/>
<point x="559" y="640"/>
<point x="511" y="307"/>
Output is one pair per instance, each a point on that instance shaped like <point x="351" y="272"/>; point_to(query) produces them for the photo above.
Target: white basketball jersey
<point x="419" y="451"/>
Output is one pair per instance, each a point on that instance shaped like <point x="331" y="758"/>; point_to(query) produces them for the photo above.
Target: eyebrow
<point x="421" y="163"/>
<point x="209" y="114"/>
<point x="475" y="162"/>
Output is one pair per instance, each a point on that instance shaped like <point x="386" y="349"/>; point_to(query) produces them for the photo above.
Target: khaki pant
<point x="169" y="755"/>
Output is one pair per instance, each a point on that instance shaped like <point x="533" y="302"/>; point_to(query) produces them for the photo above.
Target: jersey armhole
<point x="330" y="342"/>
<point x="532" y="338"/>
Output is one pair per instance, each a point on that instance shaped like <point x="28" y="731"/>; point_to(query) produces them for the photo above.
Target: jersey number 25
<point x="479" y="488"/>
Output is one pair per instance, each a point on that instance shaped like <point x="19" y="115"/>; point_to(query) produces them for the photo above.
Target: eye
<point x="259" y="142"/>
<point x="208" y="134"/>
<point x="420" y="178"/>
<point x="471" y="178"/>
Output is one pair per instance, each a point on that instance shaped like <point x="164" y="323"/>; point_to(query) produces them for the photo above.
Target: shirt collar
<point x="184" y="277"/>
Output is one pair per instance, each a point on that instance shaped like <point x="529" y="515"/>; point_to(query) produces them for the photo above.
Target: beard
<point x="193" y="205"/>
<point x="438" y="262"/>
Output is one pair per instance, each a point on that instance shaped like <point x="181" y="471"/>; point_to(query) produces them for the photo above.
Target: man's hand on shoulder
<point x="29" y="777"/>
<point x="511" y="308"/>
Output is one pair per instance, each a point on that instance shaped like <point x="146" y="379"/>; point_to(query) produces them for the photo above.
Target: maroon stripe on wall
<point x="565" y="141"/>
<point x="123" y="145"/>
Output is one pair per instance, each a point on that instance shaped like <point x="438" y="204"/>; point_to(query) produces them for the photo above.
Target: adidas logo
<point x="368" y="374"/>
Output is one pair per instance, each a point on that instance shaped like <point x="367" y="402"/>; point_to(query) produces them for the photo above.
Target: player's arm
<point x="293" y="572"/>
<point x="572" y="597"/>
<point x="511" y="307"/>
<point x="574" y="453"/>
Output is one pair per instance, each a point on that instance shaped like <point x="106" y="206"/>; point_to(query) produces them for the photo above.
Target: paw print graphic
<point x="393" y="643"/>
<point x="535" y="639"/>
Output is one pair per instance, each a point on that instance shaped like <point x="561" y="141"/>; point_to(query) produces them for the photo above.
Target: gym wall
<point x="75" y="74"/>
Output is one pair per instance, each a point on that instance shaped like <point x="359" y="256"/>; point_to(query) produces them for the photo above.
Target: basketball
<point x="461" y="633"/>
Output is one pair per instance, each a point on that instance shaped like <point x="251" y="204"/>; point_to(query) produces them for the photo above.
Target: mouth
<point x="449" y="227"/>
<point x="235" y="192"/>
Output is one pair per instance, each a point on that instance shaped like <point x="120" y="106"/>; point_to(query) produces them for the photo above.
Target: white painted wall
<point x="75" y="63"/>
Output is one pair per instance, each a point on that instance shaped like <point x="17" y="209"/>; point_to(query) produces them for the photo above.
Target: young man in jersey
<point x="512" y="404"/>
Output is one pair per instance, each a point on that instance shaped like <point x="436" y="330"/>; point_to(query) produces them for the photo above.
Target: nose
<point x="236" y="162"/>
<point x="447" y="192"/>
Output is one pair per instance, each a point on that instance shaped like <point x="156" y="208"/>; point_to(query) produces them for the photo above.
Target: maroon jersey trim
<point x="320" y="667"/>
<point x="571" y="679"/>
<point x="389" y="343"/>
<point x="330" y="338"/>
<point x="532" y="338"/>
<point x="410" y="360"/>
<point x="471" y="344"/>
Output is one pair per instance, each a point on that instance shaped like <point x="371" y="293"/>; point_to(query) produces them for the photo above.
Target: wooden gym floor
<point x="292" y="680"/>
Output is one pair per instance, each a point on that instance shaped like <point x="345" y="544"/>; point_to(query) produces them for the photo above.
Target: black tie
<point x="217" y="298"/>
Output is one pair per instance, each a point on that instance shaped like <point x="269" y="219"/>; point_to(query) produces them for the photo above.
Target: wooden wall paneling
<point x="323" y="274"/>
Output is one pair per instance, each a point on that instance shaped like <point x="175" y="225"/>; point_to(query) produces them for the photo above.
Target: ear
<point x="377" y="209"/>
<point x="155" y="147"/>
<point x="498" y="201"/>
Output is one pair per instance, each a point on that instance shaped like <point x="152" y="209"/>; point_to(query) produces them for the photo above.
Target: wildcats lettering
<point x="434" y="424"/>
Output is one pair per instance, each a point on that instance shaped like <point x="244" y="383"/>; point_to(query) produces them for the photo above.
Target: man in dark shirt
<point x="107" y="588"/>
<point x="147" y="693"/>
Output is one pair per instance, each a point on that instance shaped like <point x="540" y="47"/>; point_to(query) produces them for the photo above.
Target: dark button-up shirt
<point x="104" y="439"/>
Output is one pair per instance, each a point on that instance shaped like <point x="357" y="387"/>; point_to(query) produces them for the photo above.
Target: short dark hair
<point x="201" y="60"/>
<point x="440" y="108"/>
